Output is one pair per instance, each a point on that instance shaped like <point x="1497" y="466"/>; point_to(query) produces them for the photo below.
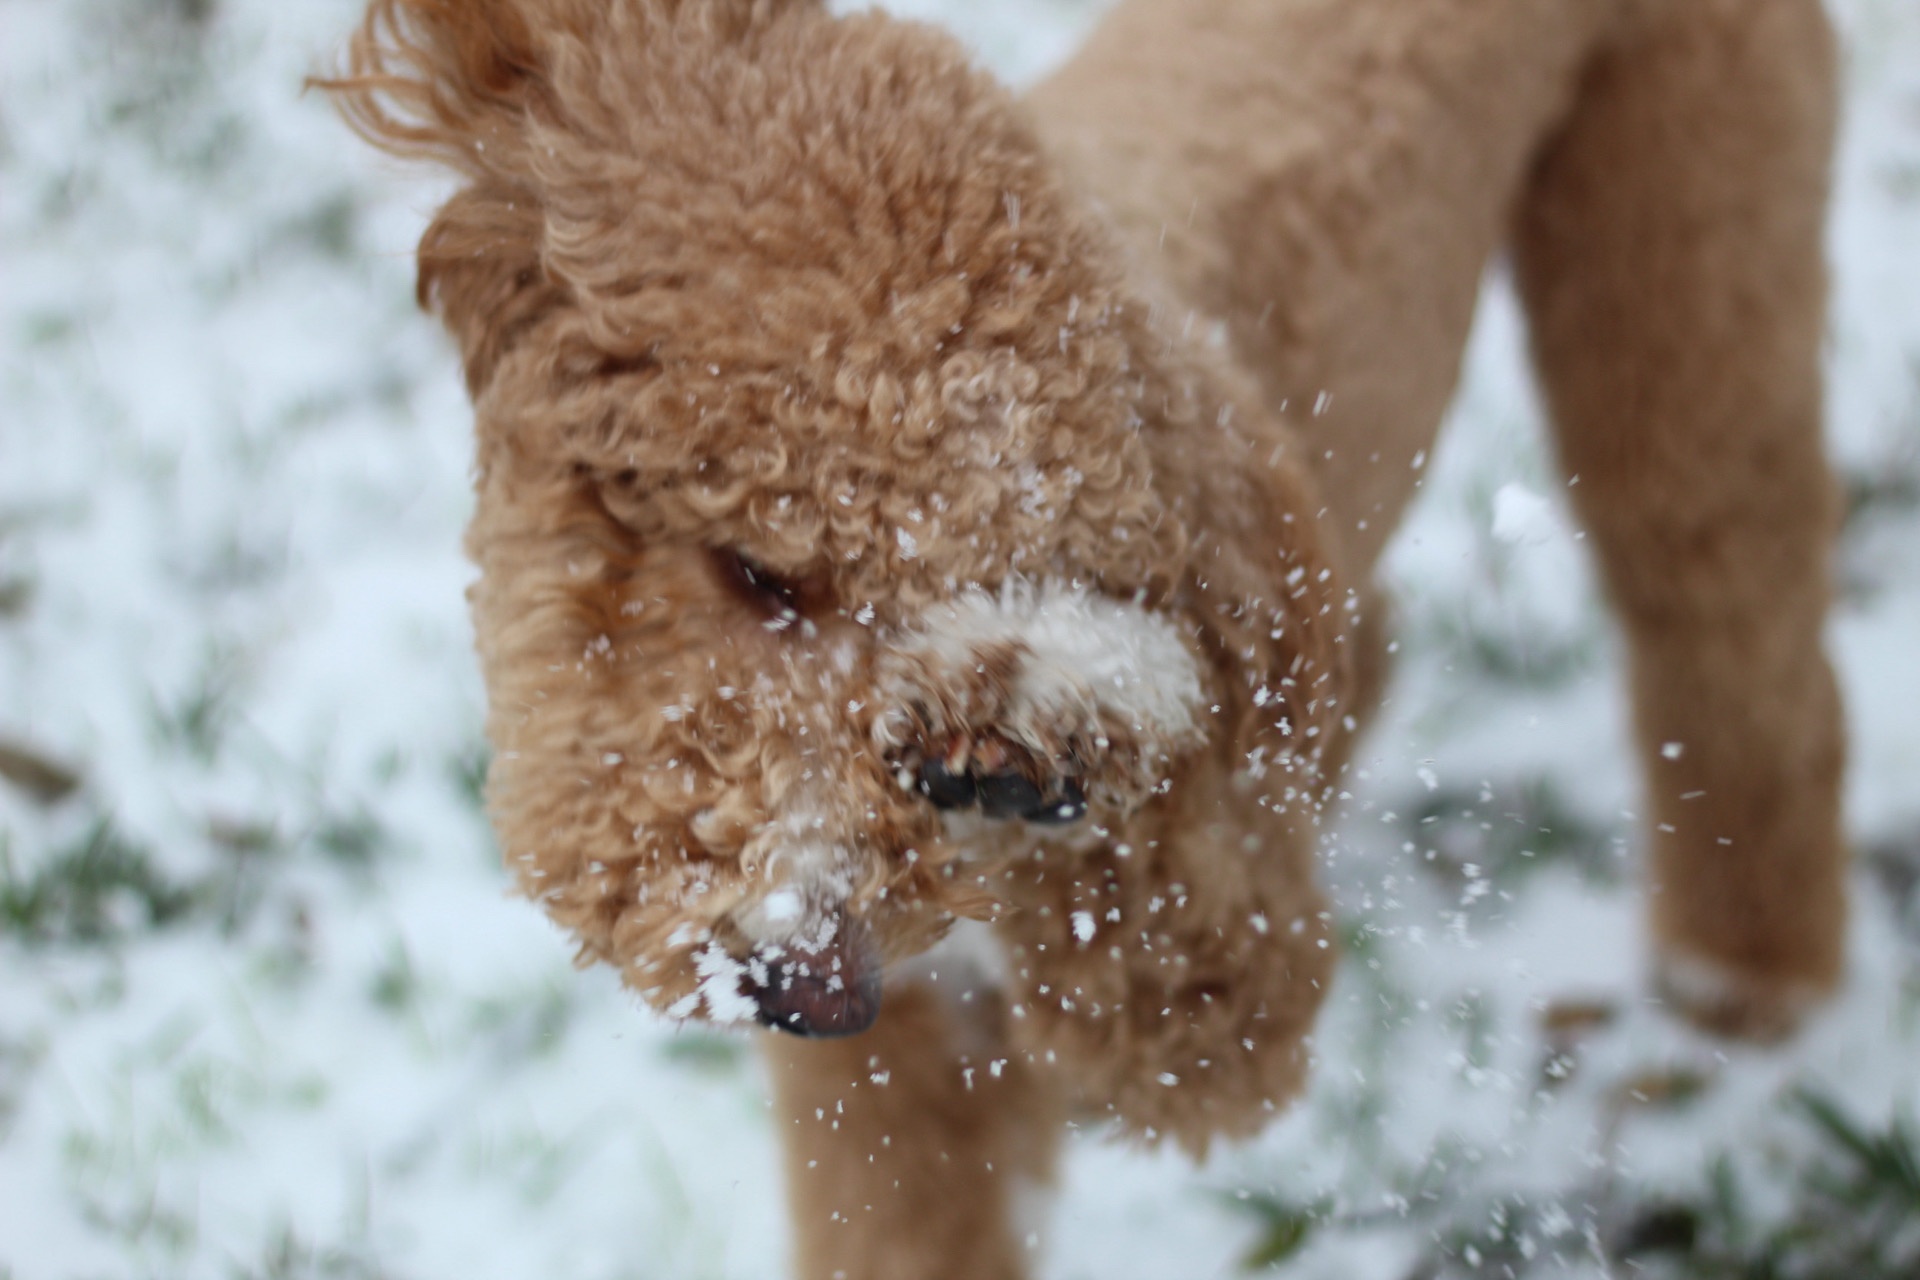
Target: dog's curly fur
<point x="846" y="428"/>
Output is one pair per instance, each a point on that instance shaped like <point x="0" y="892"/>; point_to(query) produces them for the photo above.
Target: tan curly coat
<point x="846" y="428"/>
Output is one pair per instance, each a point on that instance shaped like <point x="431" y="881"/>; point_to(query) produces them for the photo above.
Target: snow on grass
<point x="265" y="1009"/>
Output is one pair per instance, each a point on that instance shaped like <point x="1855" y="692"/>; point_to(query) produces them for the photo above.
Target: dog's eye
<point x="776" y="596"/>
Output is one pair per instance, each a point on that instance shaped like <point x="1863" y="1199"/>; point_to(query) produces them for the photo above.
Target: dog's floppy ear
<point x="447" y="80"/>
<point x="462" y="83"/>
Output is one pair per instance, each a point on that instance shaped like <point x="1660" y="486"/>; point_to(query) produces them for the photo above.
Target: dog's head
<point x="834" y="536"/>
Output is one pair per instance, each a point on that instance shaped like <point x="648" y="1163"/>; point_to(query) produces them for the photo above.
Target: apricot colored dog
<point x="899" y="505"/>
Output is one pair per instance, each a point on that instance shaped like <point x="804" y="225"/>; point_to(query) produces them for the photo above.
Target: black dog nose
<point x="1001" y="795"/>
<point x="821" y="992"/>
<point x="945" y="788"/>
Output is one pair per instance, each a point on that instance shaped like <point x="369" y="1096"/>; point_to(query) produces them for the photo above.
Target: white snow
<point x="1521" y="516"/>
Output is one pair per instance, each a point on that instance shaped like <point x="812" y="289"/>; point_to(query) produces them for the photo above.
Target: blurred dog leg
<point x="918" y="1151"/>
<point x="1670" y="253"/>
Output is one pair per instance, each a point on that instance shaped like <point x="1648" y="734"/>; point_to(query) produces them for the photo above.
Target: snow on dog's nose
<point x="1031" y="701"/>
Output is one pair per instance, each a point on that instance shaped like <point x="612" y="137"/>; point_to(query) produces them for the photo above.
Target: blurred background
<point x="266" y="1010"/>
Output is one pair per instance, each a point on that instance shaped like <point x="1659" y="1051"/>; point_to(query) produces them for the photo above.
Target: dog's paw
<point x="1036" y="702"/>
<point x="1741" y="1006"/>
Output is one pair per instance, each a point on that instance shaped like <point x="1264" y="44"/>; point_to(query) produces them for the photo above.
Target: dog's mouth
<point x="822" y="987"/>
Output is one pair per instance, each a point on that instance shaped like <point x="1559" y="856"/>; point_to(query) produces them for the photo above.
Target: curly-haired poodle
<point x="925" y="536"/>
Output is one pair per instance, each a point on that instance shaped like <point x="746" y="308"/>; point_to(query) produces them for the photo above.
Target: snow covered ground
<point x="265" y="1010"/>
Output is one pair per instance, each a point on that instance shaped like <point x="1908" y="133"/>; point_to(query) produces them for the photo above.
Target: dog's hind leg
<point x="919" y="1150"/>
<point x="1669" y="250"/>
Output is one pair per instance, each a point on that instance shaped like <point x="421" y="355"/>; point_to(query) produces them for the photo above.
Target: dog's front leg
<point x="918" y="1151"/>
<point x="1171" y="975"/>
